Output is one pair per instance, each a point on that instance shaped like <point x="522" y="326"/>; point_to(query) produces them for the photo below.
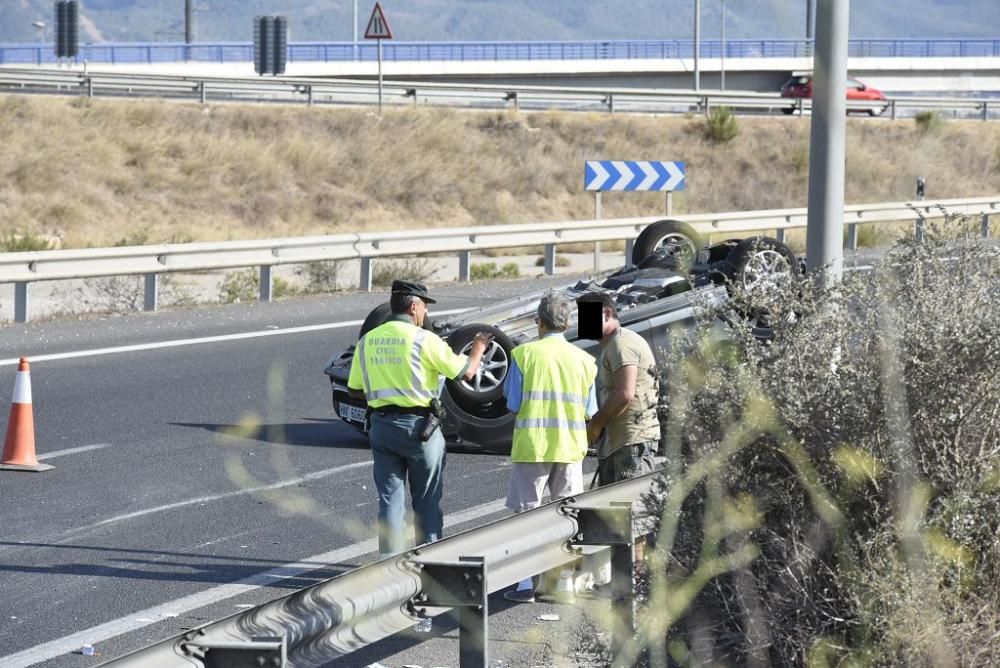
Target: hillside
<point x="96" y="173"/>
<point x="327" y="20"/>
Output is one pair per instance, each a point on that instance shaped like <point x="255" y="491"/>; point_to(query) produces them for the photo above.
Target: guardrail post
<point x="150" y="298"/>
<point x="611" y="103"/>
<point x="461" y="585"/>
<point x="986" y="107"/>
<point x="465" y="266"/>
<point x="550" y="259"/>
<point x="512" y="97"/>
<point x="309" y="96"/>
<point x="265" y="283"/>
<point x="918" y="230"/>
<point x="852" y="237"/>
<point x="986" y="226"/>
<point x="612" y="526"/>
<point x="202" y="94"/>
<point x="629" y="245"/>
<point x="90" y="87"/>
<point x="597" y="256"/>
<point x="366" y="275"/>
<point x="21" y="301"/>
<point x="801" y="106"/>
<point x="892" y="109"/>
<point x="779" y="234"/>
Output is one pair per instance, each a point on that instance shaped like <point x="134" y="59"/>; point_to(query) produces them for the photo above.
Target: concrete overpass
<point x="895" y="66"/>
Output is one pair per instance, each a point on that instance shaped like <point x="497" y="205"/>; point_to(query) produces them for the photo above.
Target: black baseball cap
<point x="412" y="288"/>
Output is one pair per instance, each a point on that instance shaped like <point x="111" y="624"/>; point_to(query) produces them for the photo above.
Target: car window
<point x="797" y="81"/>
<point x="854" y="83"/>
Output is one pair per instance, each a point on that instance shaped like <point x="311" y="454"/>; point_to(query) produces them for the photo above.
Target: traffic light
<point x="67" y="35"/>
<point x="270" y="43"/>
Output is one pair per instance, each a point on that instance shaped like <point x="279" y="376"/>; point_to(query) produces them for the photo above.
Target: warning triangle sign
<point x="378" y="27"/>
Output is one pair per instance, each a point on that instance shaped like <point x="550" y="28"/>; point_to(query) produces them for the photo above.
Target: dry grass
<point x="92" y="173"/>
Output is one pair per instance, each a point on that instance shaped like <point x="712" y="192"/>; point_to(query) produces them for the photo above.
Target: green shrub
<point x="481" y="271"/>
<point x="411" y="269"/>
<point x="561" y="261"/>
<point x="869" y="236"/>
<point x="721" y="125"/>
<point x="244" y="286"/>
<point x="832" y="494"/>
<point x="928" y="121"/>
<point x="14" y="242"/>
<point x="320" y="276"/>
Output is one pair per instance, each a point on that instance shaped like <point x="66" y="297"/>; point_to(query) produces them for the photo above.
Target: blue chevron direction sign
<point x="631" y="175"/>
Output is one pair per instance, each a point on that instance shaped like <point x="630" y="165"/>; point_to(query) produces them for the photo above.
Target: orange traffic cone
<point x="19" y="446"/>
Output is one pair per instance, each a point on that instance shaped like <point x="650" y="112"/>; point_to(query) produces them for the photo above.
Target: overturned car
<point x="670" y="275"/>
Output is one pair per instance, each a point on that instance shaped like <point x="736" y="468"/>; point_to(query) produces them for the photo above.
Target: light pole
<point x="722" y="73"/>
<point x="697" y="43"/>
<point x="40" y="27"/>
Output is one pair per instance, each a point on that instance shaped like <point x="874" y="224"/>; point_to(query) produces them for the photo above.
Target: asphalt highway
<point x="199" y="470"/>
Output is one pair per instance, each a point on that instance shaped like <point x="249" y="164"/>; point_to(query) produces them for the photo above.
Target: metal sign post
<point x="378" y="29"/>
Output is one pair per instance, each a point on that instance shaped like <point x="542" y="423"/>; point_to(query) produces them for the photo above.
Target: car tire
<point x="487" y="387"/>
<point x="379" y="315"/>
<point x="688" y="241"/>
<point x="764" y="266"/>
<point x="788" y="111"/>
<point x="754" y="258"/>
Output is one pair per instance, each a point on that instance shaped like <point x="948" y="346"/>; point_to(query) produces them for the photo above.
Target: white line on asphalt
<point x="204" y="339"/>
<point x="315" y="475"/>
<point x="73" y="451"/>
<point x="143" y="618"/>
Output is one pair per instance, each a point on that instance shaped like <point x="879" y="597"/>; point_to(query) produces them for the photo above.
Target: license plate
<point x="352" y="413"/>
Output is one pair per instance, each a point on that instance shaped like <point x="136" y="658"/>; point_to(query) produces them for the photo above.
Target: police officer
<point x="398" y="366"/>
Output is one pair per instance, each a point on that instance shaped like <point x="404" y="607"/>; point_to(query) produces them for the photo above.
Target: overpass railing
<point x="23" y="268"/>
<point x="232" y="52"/>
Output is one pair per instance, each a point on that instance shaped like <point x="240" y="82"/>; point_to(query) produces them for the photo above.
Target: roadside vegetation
<point x="482" y="271"/>
<point x="99" y="173"/>
<point x="832" y="495"/>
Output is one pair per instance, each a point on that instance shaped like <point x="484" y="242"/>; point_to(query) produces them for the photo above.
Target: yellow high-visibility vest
<point x="551" y="421"/>
<point x="400" y="364"/>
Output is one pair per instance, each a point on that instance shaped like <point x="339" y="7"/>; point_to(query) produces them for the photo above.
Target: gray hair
<point x="554" y="311"/>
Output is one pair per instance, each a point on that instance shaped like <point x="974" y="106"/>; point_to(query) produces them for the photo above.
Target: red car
<point x="801" y="86"/>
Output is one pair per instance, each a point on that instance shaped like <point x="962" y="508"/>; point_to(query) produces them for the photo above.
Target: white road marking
<point x="73" y="451"/>
<point x="143" y="618"/>
<point x="315" y="475"/>
<point x="198" y="341"/>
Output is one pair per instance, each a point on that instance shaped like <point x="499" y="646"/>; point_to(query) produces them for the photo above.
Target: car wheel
<point x="486" y="387"/>
<point x="788" y="111"/>
<point x="680" y="238"/>
<point x="379" y="315"/>
<point x="760" y="269"/>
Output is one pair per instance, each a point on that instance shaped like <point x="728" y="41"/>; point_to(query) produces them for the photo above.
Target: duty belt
<point x="402" y="410"/>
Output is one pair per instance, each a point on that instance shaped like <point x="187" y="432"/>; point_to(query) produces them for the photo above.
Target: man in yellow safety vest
<point x="550" y="385"/>
<point x="398" y="367"/>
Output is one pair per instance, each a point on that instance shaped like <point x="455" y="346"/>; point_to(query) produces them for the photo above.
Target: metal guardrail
<point x="22" y="268"/>
<point x="333" y="618"/>
<point x="354" y="91"/>
<point x="223" y="52"/>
